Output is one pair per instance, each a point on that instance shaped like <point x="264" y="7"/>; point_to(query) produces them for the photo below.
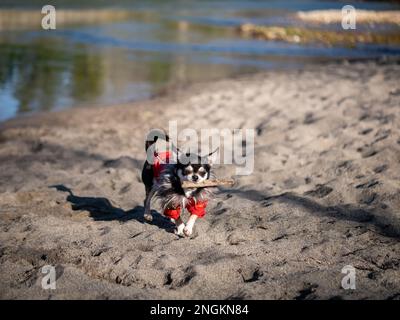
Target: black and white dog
<point x="163" y="178"/>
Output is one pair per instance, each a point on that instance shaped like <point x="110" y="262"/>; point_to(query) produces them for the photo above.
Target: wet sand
<point x="324" y="194"/>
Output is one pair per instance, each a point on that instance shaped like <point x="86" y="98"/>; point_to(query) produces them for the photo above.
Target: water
<point x="168" y="44"/>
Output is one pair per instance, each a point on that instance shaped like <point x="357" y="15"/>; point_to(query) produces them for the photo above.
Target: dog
<point x="163" y="179"/>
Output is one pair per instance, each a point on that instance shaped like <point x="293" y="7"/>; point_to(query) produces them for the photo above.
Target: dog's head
<point x="194" y="168"/>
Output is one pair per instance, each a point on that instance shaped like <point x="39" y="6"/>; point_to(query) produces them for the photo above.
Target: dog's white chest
<point x="188" y="192"/>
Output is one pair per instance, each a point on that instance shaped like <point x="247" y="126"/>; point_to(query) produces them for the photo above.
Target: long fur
<point x="170" y="193"/>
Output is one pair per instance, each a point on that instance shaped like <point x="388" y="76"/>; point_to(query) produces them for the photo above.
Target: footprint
<point x="381" y="135"/>
<point x="104" y="230"/>
<point x="280" y="237"/>
<point x="125" y="188"/>
<point x="367" y="152"/>
<point x="251" y="275"/>
<point x="345" y="165"/>
<point x="307" y="292"/>
<point x="36" y="146"/>
<point x="366" y="131"/>
<point x="320" y="192"/>
<point x="380" y="169"/>
<point x="188" y="275"/>
<point x="168" y="279"/>
<point x="235" y="238"/>
<point x="98" y="252"/>
<point x="369" y="184"/>
<point x="124" y="162"/>
<point x="145" y="247"/>
<point x="219" y="209"/>
<point x="367" y="197"/>
<point x="266" y="203"/>
<point x="260" y="128"/>
<point x="309" y="118"/>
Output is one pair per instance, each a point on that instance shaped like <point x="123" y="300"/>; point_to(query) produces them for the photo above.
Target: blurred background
<point x="110" y="52"/>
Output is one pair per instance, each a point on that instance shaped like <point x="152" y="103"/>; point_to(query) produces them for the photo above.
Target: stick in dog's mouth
<point x="208" y="183"/>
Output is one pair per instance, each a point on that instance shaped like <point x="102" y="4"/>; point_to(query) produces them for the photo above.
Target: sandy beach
<point x="324" y="194"/>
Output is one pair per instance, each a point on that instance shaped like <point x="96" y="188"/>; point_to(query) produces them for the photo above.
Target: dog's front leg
<point x="180" y="225"/>
<point x="147" y="203"/>
<point x="188" y="230"/>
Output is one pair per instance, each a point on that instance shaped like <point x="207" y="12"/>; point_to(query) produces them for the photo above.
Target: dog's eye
<point x="202" y="173"/>
<point x="188" y="171"/>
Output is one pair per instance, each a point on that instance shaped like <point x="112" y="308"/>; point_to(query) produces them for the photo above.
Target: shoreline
<point x="18" y="18"/>
<point x="205" y="85"/>
<point x="323" y="194"/>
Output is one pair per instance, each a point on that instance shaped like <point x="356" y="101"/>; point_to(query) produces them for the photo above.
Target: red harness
<point x="159" y="162"/>
<point x="197" y="208"/>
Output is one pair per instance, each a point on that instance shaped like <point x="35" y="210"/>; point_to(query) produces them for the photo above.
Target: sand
<point x="324" y="194"/>
<point x="362" y="16"/>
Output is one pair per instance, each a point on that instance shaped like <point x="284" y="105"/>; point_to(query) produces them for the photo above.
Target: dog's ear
<point x="178" y="156"/>
<point x="211" y="157"/>
<point x="184" y="157"/>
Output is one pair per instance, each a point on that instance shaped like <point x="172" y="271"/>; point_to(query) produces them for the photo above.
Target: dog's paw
<point x="179" y="230"/>
<point x="148" y="217"/>
<point x="188" y="231"/>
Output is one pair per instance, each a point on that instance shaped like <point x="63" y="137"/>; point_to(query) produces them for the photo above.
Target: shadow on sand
<point x="101" y="209"/>
<point x="385" y="222"/>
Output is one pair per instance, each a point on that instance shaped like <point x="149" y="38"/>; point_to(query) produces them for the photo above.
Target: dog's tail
<point x="156" y="134"/>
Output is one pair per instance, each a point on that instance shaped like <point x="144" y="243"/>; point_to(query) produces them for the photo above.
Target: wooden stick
<point x="208" y="183"/>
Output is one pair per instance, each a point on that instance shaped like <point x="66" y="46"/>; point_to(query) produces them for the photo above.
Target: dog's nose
<point x="195" y="178"/>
